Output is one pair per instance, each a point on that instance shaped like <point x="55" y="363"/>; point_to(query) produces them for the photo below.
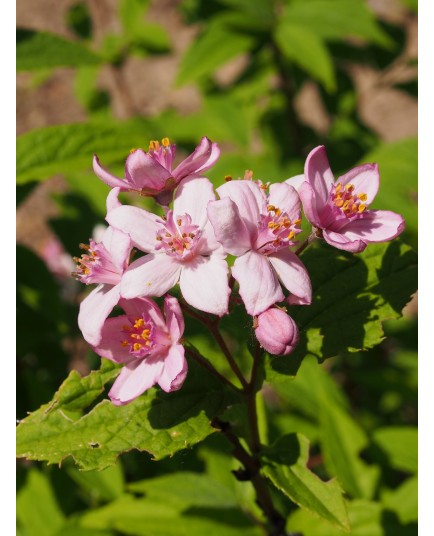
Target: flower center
<point x="347" y="201"/>
<point x="178" y="236"/>
<point x="163" y="153"/>
<point x="96" y="266"/>
<point x="139" y="340"/>
<point x="276" y="231"/>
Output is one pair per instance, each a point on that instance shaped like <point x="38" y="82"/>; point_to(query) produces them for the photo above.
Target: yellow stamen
<point x="139" y="323"/>
<point x="136" y="346"/>
<point x="133" y="150"/>
<point x="179" y="221"/>
<point x="165" y="142"/>
<point x="146" y="333"/>
<point x="272" y="225"/>
<point x="297" y="222"/>
<point x="338" y="187"/>
<point x="349" y="187"/>
<point x="362" y="208"/>
<point x="277" y="211"/>
<point x="339" y="203"/>
<point x="291" y="235"/>
<point x="362" y="197"/>
<point x="228" y="178"/>
<point x="124" y="343"/>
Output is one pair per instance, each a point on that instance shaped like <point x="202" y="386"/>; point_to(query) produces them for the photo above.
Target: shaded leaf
<point x="403" y="500"/>
<point x="400" y="445"/>
<point x="105" y="485"/>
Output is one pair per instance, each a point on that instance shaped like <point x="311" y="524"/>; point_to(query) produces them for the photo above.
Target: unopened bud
<point x="276" y="332"/>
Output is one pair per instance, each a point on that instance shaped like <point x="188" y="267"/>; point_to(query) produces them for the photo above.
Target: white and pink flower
<point x="180" y="248"/>
<point x="259" y="230"/>
<point x="341" y="208"/>
<point x="147" y="344"/>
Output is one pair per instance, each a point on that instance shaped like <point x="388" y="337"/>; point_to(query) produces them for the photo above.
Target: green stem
<point x="316" y="233"/>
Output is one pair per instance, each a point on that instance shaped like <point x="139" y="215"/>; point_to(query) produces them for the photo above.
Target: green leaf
<point x="342" y="440"/>
<point x="79" y="20"/>
<point x="400" y="445"/>
<point x="352" y="296"/>
<point x="336" y="19"/>
<point x="186" y="489"/>
<point x="156" y="422"/>
<point x="286" y="468"/>
<point x="66" y="148"/>
<point x="213" y="48"/>
<point x="303" y="47"/>
<point x="148" y="517"/>
<point x="41" y="50"/>
<point x="105" y="485"/>
<point x="398" y="185"/>
<point x="403" y="500"/>
<point x="38" y="513"/>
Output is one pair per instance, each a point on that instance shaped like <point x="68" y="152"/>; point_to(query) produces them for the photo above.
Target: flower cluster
<point x="188" y="243"/>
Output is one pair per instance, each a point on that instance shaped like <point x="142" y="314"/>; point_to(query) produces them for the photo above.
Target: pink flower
<point x="276" y="331"/>
<point x="150" y="173"/>
<point x="181" y="247"/>
<point x="102" y="263"/>
<point x="147" y="344"/>
<point x="259" y="230"/>
<point x="340" y="208"/>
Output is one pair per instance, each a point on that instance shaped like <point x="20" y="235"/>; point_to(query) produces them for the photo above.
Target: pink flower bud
<point x="276" y="332"/>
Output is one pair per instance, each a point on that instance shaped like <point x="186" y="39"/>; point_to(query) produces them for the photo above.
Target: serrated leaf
<point x="156" y="422"/>
<point x="66" y="148"/>
<point x="42" y="50"/>
<point x="400" y="445"/>
<point x="398" y="165"/>
<point x="304" y="48"/>
<point x="38" y="513"/>
<point x="210" y="50"/>
<point x="336" y="19"/>
<point x="342" y="440"/>
<point x="352" y="296"/>
<point x="286" y="468"/>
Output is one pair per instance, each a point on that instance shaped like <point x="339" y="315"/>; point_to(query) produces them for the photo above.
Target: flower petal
<point x="144" y="172"/>
<point x="192" y="197"/>
<point x="112" y="201"/>
<point x="142" y="226"/>
<point x="174" y="318"/>
<point x="204" y="284"/>
<point x="229" y="228"/>
<point x="318" y="173"/>
<point x="341" y="241"/>
<point x="249" y="198"/>
<point x="259" y="287"/>
<point x="135" y="378"/>
<point x="285" y="197"/>
<point x="108" y="178"/>
<point x="137" y="306"/>
<point x="112" y="336"/>
<point x="365" y="178"/>
<point x="175" y="369"/>
<point x="374" y="226"/>
<point x="118" y="244"/>
<point x="201" y="159"/>
<point x="307" y="196"/>
<point x="94" y="310"/>
<point x="151" y="275"/>
<point x="293" y="275"/>
<point x="296" y="181"/>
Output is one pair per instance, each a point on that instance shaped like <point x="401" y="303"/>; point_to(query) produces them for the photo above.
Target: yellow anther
<point x="133" y="150"/>
<point x="124" y="343"/>
<point x="271" y="208"/>
<point x="338" y="187"/>
<point x="349" y="187"/>
<point x="362" y="208"/>
<point x="154" y="145"/>
<point x="179" y="221"/>
<point x="272" y="225"/>
<point x="146" y="333"/>
<point x="362" y="197"/>
<point x="136" y="346"/>
<point x="139" y="323"/>
<point x="354" y="207"/>
<point x="339" y="203"/>
<point x="277" y="211"/>
<point x="291" y="235"/>
<point x="165" y="142"/>
<point x="297" y="222"/>
<point x="345" y="205"/>
<point x="228" y="178"/>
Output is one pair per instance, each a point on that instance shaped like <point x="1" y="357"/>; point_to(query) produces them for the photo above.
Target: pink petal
<point x="175" y="369"/>
<point x="318" y="173"/>
<point x="208" y="243"/>
<point x="249" y="198"/>
<point x="137" y="306"/>
<point x="112" y="336"/>
<point x="142" y="226"/>
<point x="174" y="318"/>
<point x="192" y="197"/>
<point x="296" y="181"/>
<point x="144" y="172"/>
<point x="307" y="196"/>
<point x="259" y="287"/>
<point x="204" y="284"/>
<point x="107" y="177"/>
<point x="366" y="179"/>
<point x="293" y="275"/>
<point x="118" y="244"/>
<point x="94" y="310"/>
<point x="112" y="199"/>
<point x="135" y="378"/>
<point x="201" y="159"/>
<point x="340" y="241"/>
<point x="151" y="275"/>
<point x="229" y="228"/>
<point x="374" y="226"/>
<point x="286" y="198"/>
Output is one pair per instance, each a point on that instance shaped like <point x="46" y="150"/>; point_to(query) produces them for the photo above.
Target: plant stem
<point x="316" y="233"/>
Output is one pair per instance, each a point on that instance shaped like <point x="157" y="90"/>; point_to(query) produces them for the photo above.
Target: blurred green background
<point x="268" y="81"/>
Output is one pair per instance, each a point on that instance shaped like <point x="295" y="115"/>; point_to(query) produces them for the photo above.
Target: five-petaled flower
<point x="180" y="247"/>
<point x="340" y="208"/>
<point x="259" y="229"/>
<point x="147" y="344"/>
<point x="150" y="173"/>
